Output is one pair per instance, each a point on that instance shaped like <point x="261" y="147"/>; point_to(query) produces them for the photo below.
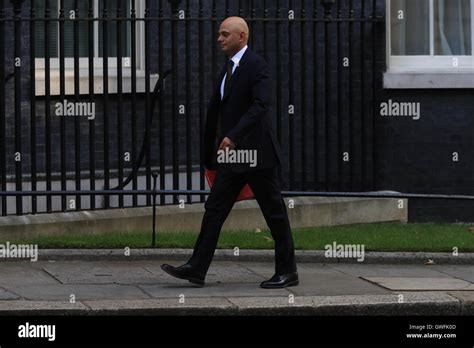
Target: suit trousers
<point x="266" y="188"/>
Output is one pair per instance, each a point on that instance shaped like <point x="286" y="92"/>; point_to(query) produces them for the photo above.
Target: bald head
<point x="233" y="35"/>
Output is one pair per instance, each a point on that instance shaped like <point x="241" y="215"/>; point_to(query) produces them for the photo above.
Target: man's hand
<point x="226" y="143"/>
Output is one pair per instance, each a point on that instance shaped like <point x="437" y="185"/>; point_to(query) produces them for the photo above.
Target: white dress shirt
<point x="236" y="59"/>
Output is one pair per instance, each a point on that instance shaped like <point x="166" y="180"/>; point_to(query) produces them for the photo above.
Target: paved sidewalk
<point x="232" y="287"/>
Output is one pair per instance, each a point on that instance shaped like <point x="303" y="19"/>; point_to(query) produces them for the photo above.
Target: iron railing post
<point x="153" y="241"/>
<point x="17" y="103"/>
<point x="174" y="4"/>
<point x="328" y="4"/>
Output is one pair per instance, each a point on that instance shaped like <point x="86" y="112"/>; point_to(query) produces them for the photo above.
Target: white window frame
<point x="434" y="63"/>
<point x="98" y="66"/>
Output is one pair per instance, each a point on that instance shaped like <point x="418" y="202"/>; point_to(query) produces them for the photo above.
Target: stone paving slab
<point x="61" y="292"/>
<point x="7" y="295"/>
<point x="25" y="307"/>
<point x="194" y="306"/>
<point x="266" y="270"/>
<point x="314" y="269"/>
<point x="24" y="273"/>
<point x="70" y="272"/>
<point x="406" y="271"/>
<point x="464" y="272"/>
<point x="210" y="290"/>
<point x="400" y="284"/>
<point x="336" y="285"/>
<point x="413" y="304"/>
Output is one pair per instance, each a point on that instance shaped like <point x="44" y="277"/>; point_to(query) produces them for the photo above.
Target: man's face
<point x="229" y="39"/>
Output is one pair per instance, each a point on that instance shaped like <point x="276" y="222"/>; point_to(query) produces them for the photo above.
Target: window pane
<point x="83" y="29"/>
<point x="410" y="27"/>
<point x="452" y="27"/>
<point x="83" y="7"/>
<point x="40" y="7"/>
<point x="112" y="28"/>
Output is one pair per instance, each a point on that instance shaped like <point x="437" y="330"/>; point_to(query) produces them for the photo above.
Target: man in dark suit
<point x="238" y="123"/>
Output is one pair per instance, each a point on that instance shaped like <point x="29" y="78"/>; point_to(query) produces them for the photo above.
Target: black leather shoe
<point x="184" y="272"/>
<point x="279" y="281"/>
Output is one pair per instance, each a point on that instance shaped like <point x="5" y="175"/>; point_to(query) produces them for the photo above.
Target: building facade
<point x="369" y="95"/>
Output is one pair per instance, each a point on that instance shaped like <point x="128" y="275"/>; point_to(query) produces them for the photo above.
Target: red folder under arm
<point x="245" y="194"/>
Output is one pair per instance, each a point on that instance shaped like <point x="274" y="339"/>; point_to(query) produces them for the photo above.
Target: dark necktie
<point x="228" y="78"/>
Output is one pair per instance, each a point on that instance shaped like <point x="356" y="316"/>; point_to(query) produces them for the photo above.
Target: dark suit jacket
<point x="244" y="113"/>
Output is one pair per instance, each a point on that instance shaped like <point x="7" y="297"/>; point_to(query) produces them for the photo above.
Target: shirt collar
<point x="238" y="56"/>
